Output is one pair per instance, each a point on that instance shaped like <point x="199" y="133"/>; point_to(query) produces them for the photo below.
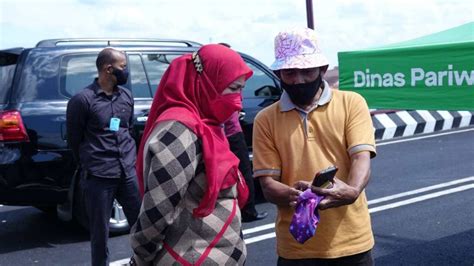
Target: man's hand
<point x="299" y="186"/>
<point x="279" y="193"/>
<point x="302" y="185"/>
<point x="344" y="193"/>
<point x="293" y="195"/>
<point x="338" y="194"/>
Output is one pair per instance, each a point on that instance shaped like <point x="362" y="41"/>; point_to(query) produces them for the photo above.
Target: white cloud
<point x="249" y="26"/>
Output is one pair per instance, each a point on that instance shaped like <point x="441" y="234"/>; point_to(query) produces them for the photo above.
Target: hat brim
<point x="300" y="61"/>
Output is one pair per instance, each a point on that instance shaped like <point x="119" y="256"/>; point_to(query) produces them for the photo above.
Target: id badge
<point x="114" y="124"/>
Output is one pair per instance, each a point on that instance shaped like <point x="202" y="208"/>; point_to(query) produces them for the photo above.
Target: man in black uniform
<point x="99" y="122"/>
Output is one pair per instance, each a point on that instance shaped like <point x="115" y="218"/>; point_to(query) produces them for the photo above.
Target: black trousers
<point x="99" y="197"/>
<point x="239" y="147"/>
<point x="361" y="259"/>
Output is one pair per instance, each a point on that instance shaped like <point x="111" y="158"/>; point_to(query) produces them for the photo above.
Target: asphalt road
<point x="420" y="197"/>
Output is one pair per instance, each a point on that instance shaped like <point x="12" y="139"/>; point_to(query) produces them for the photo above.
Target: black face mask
<point x="303" y="94"/>
<point x="120" y="75"/>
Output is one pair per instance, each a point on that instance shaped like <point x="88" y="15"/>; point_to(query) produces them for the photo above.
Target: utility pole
<point x="309" y="13"/>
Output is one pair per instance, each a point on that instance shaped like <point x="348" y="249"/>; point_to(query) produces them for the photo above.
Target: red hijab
<point x="187" y="93"/>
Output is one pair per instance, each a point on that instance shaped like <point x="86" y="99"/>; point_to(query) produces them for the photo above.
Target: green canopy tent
<point x="434" y="72"/>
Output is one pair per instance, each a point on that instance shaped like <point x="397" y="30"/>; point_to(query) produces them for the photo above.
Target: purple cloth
<point x="306" y="217"/>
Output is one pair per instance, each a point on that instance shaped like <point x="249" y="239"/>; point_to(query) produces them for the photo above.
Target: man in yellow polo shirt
<point x="311" y="128"/>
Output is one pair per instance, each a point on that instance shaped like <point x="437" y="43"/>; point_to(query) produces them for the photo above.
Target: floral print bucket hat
<point x="297" y="48"/>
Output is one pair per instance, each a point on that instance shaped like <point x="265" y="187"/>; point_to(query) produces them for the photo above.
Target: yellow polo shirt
<point x="291" y="145"/>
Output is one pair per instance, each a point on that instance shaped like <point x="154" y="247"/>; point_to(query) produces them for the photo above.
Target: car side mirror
<point x="268" y="91"/>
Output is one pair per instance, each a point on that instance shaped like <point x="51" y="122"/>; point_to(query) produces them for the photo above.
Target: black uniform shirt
<point x="101" y="151"/>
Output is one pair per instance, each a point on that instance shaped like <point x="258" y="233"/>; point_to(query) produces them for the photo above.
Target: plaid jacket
<point x="166" y="233"/>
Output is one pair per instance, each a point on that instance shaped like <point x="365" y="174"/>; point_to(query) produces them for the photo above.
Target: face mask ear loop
<point x="321" y="84"/>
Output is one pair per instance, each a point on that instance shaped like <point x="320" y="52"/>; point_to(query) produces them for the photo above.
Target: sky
<point x="250" y="26"/>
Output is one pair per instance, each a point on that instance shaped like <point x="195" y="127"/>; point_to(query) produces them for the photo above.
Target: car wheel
<point x="118" y="223"/>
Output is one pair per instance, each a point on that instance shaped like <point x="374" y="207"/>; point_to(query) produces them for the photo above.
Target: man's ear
<point x="108" y="69"/>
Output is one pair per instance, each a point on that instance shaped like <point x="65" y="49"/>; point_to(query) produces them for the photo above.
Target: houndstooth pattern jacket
<point x="166" y="233"/>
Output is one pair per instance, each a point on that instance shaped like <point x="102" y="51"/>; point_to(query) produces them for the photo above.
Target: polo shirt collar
<point x="287" y="105"/>
<point x="98" y="90"/>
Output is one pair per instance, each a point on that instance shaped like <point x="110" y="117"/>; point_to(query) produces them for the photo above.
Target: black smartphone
<point x="324" y="177"/>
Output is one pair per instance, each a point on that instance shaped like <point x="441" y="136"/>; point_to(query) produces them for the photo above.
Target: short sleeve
<point x="266" y="160"/>
<point x="359" y="129"/>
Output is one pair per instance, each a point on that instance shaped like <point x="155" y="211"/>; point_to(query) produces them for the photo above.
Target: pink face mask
<point x="306" y="218"/>
<point x="226" y="105"/>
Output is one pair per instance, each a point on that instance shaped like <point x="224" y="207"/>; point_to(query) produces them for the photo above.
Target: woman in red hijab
<point x="189" y="178"/>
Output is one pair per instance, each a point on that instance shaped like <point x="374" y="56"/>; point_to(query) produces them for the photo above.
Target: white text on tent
<point x="447" y="77"/>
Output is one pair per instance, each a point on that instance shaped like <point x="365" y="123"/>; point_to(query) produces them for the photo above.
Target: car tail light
<point x="12" y="127"/>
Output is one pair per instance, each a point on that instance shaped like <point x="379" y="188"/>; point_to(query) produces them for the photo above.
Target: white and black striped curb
<point x="408" y="123"/>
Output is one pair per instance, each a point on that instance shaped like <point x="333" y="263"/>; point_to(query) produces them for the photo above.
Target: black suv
<point x="36" y="167"/>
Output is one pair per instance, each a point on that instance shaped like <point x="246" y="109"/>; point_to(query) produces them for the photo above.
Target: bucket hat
<point x="297" y="48"/>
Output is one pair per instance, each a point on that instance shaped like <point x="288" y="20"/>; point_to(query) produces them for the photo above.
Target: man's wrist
<point x="355" y="192"/>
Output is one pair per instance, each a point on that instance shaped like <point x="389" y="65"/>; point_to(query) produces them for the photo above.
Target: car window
<point x="8" y="62"/>
<point x="6" y="78"/>
<point x="39" y="77"/>
<point x="77" y="71"/>
<point x="156" y="65"/>
<point x="139" y="83"/>
<point x="260" y="84"/>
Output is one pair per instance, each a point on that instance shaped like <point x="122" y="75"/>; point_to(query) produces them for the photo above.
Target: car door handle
<point x="241" y="115"/>
<point x="142" y="118"/>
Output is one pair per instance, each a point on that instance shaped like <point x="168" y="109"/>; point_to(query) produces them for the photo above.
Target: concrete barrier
<point x="407" y="123"/>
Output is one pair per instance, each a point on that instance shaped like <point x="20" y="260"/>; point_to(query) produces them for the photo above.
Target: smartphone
<point x="324" y="177"/>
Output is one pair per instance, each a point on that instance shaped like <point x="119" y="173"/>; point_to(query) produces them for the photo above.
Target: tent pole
<point x="309" y="13"/>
